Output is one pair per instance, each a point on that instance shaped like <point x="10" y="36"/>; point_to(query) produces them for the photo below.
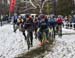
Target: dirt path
<point x="39" y="52"/>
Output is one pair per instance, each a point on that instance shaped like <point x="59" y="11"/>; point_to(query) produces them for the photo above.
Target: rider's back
<point x="29" y="23"/>
<point x="43" y="24"/>
<point x="52" y="21"/>
<point x="59" y="20"/>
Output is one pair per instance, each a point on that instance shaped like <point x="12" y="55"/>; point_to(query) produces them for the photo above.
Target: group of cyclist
<point x="38" y="25"/>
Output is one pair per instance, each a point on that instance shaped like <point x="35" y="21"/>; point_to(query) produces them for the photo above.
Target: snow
<point x="64" y="47"/>
<point x="68" y="30"/>
<point x="12" y="44"/>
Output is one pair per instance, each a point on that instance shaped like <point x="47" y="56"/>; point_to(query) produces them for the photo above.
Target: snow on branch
<point x="32" y="4"/>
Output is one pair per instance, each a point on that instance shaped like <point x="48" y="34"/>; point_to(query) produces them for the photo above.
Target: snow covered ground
<point x="12" y="44"/>
<point x="64" y="47"/>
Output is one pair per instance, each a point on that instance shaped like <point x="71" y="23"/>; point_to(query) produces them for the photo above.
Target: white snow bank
<point x="64" y="48"/>
<point x="68" y="30"/>
<point x="12" y="44"/>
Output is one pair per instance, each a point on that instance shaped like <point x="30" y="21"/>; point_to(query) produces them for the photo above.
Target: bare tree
<point x="40" y="4"/>
<point x="32" y="4"/>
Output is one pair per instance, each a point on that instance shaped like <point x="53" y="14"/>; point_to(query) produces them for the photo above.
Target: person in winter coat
<point x="14" y="18"/>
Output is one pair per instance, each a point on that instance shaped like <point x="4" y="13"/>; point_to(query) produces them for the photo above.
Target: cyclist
<point x="15" y="17"/>
<point x="59" y="23"/>
<point x="29" y="27"/>
<point x="36" y="26"/>
<point x="43" y="27"/>
<point x="52" y="23"/>
<point x="20" y="22"/>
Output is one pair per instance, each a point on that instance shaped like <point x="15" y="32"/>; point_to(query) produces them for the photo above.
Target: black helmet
<point x="27" y="15"/>
<point x="41" y="15"/>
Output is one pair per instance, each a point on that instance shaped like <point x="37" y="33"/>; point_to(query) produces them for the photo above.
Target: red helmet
<point x="45" y="17"/>
<point x="30" y="17"/>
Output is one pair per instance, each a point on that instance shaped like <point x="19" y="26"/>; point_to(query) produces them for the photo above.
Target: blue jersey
<point x="52" y="21"/>
<point x="43" y="25"/>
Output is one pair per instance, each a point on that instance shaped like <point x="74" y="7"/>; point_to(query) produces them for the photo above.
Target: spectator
<point x="1" y="19"/>
<point x="73" y="21"/>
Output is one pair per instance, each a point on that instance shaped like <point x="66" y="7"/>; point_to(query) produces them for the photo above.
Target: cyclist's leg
<point x="40" y="36"/>
<point x="35" y="33"/>
<point x="31" y="38"/>
<point x="57" y="27"/>
<point x="74" y="26"/>
<point x="23" y="32"/>
<point x="14" y="27"/>
<point x="54" y="31"/>
<point x="47" y="34"/>
<point x="70" y="25"/>
<point x="61" y="29"/>
<point x="28" y="40"/>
